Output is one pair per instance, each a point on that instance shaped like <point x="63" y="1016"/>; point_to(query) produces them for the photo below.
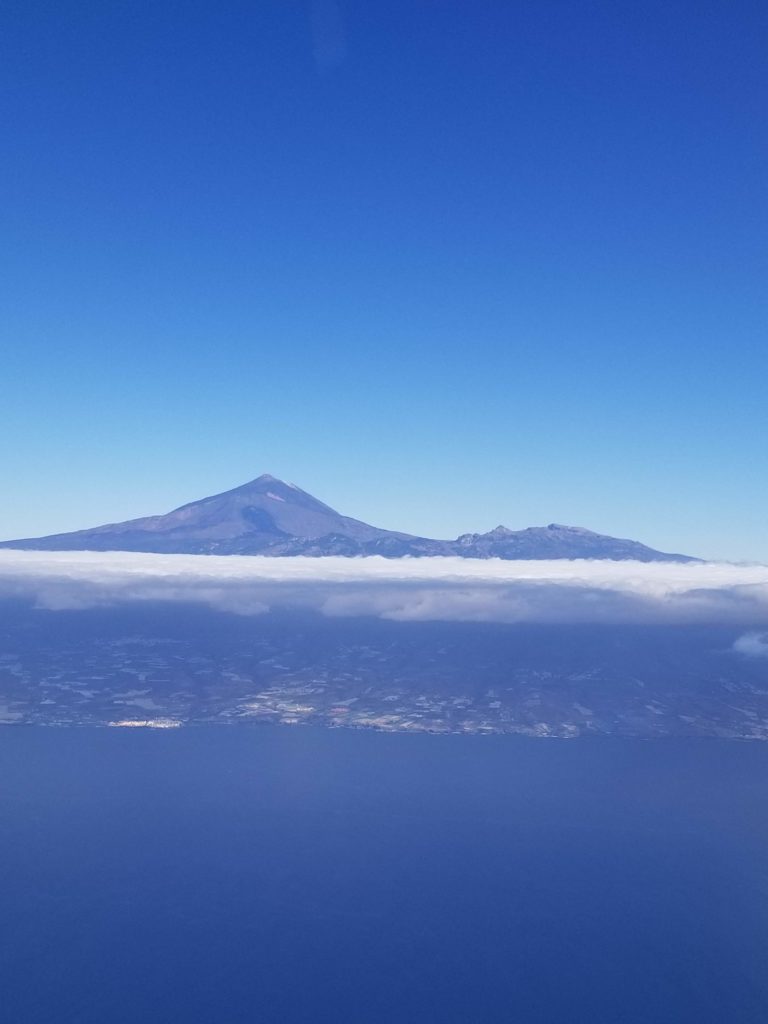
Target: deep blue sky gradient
<point x="444" y="265"/>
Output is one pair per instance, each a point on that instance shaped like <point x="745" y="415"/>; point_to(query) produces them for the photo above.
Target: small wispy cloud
<point x="402" y="589"/>
<point x="752" y="645"/>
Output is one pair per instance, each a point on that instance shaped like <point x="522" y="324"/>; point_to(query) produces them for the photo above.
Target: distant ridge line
<point x="268" y="516"/>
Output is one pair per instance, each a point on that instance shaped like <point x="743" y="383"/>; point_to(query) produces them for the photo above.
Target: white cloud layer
<point x="405" y="589"/>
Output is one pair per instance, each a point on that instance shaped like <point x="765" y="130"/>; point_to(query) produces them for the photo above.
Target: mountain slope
<point x="270" y="517"/>
<point x="556" y="541"/>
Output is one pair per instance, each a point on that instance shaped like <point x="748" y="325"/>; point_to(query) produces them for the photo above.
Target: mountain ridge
<point x="268" y="516"/>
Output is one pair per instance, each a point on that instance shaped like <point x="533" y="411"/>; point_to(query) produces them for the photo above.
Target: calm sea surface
<point x="225" y="875"/>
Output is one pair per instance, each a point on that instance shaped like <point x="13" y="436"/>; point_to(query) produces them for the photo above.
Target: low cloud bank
<point x="402" y="589"/>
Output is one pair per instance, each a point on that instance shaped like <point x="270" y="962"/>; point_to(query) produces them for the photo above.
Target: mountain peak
<point x="263" y="481"/>
<point x="267" y="478"/>
<point x="274" y="486"/>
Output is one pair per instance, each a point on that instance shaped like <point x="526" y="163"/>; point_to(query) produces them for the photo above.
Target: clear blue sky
<point x="443" y="264"/>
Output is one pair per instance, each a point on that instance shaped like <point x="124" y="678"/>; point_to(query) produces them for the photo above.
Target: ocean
<point x="273" y="874"/>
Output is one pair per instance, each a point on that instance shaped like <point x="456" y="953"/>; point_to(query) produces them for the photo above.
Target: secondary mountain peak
<point x="559" y="527"/>
<point x="268" y="516"/>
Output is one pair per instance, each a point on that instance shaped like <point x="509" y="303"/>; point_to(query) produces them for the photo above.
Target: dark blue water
<point x="266" y="874"/>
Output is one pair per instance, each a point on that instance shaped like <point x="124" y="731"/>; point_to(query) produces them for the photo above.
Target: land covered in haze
<point x="172" y="665"/>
